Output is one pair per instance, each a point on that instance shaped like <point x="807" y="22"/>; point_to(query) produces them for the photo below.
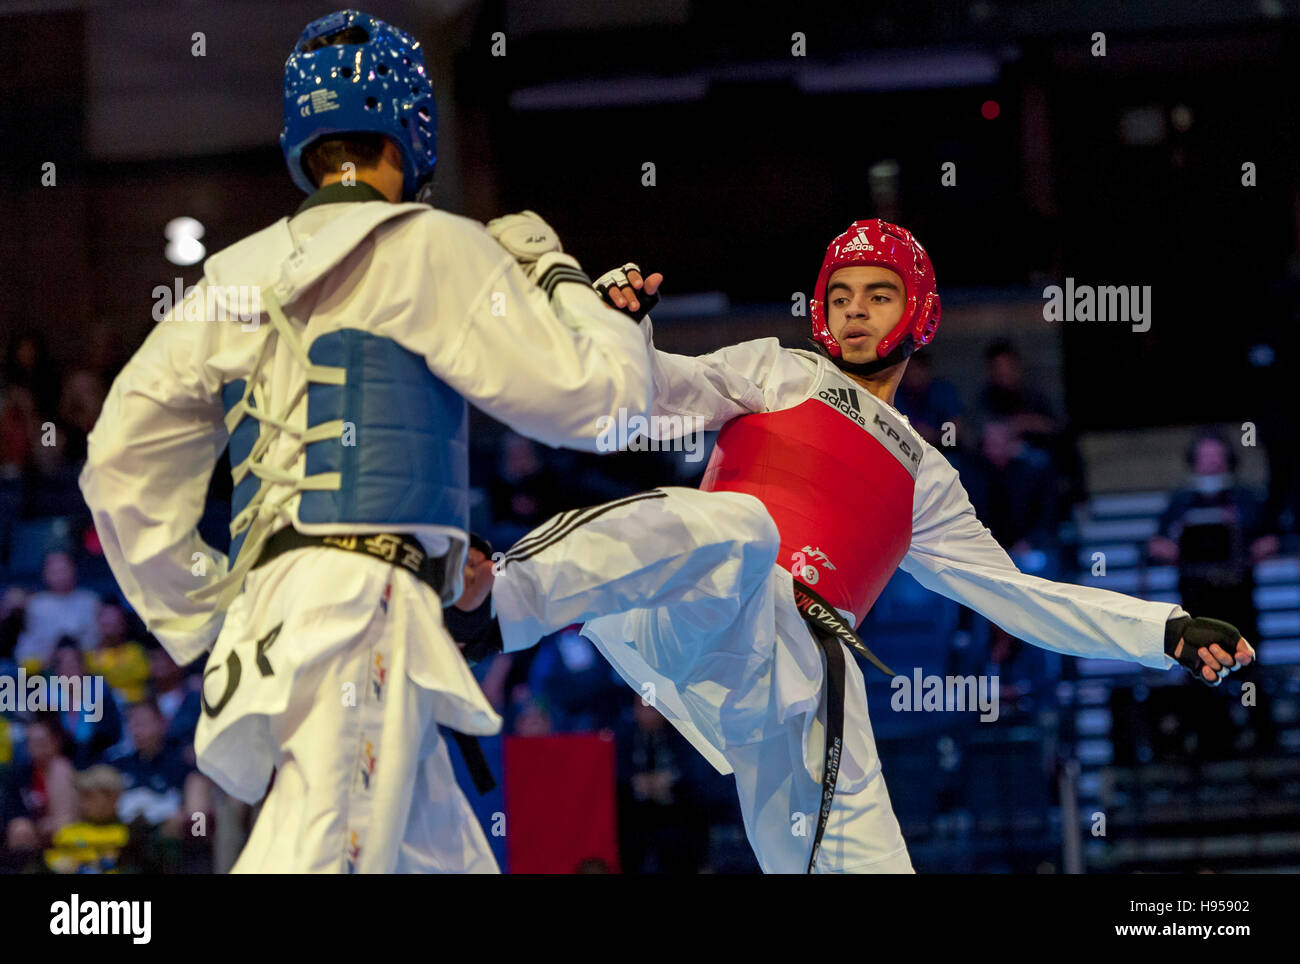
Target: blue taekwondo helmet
<point x="372" y="79"/>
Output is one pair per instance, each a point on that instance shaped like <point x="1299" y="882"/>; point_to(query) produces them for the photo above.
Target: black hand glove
<point x="477" y="632"/>
<point x="617" y="279"/>
<point x="647" y="302"/>
<point x="1196" y="633"/>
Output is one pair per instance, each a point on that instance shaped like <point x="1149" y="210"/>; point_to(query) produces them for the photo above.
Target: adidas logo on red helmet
<point x="859" y="243"/>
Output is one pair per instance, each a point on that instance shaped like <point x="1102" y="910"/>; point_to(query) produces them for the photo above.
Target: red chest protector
<point x="837" y="474"/>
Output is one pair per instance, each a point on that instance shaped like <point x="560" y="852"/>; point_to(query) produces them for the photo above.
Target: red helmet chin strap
<point x="881" y="244"/>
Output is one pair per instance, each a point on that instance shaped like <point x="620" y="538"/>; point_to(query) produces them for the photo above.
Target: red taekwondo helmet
<point x="886" y="245"/>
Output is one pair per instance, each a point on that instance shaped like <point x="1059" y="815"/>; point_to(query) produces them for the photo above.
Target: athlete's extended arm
<point x="534" y="347"/>
<point x="713" y="388"/>
<point x="952" y="553"/>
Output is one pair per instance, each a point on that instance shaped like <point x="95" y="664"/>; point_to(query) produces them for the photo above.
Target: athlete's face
<point x="863" y="304"/>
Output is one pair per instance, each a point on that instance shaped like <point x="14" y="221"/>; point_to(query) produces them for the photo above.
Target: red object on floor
<point x="560" y="800"/>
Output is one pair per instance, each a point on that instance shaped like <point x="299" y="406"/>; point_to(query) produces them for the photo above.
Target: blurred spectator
<point x="12" y="614"/>
<point x="531" y="717"/>
<point x="18" y="837"/>
<point x="43" y="785"/>
<point x="661" y="827"/>
<point x="928" y="402"/>
<point x="20" y="431"/>
<point x="28" y="366"/>
<point x="119" y="658"/>
<point x="494" y="680"/>
<point x="1006" y="397"/>
<point x="106" y="351"/>
<point x="79" y="405"/>
<point x="576" y="682"/>
<point x="526" y="492"/>
<point x="13" y="620"/>
<point x="178" y="700"/>
<point x="1013" y="490"/>
<point x="1214" y="530"/>
<point x="17" y="832"/>
<point x="90" y="732"/>
<point x="155" y="773"/>
<point x="94" y="844"/>
<point x="61" y="610"/>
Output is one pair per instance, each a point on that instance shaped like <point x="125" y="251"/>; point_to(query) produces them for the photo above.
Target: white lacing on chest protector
<point x="259" y="515"/>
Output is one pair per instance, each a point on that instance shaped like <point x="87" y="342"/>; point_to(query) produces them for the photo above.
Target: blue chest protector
<point x="402" y="459"/>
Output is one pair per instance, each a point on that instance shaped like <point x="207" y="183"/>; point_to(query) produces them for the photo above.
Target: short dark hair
<point x="331" y="153"/>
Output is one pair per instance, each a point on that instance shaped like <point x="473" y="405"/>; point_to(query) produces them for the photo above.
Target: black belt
<point x="834" y="732"/>
<point x="391" y="547"/>
<point x="829" y="628"/>
<point x="822" y="616"/>
<point x="398" y="550"/>
<point x="471" y="752"/>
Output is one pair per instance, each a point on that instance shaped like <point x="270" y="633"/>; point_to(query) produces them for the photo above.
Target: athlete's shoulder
<point x="769" y="349"/>
<point x="811" y="362"/>
<point x="449" y="225"/>
<point x="447" y="221"/>
<point x="937" y="477"/>
<point x="755" y="346"/>
<point x="808" y="357"/>
<point x="248" y="247"/>
<point x="455" y="235"/>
